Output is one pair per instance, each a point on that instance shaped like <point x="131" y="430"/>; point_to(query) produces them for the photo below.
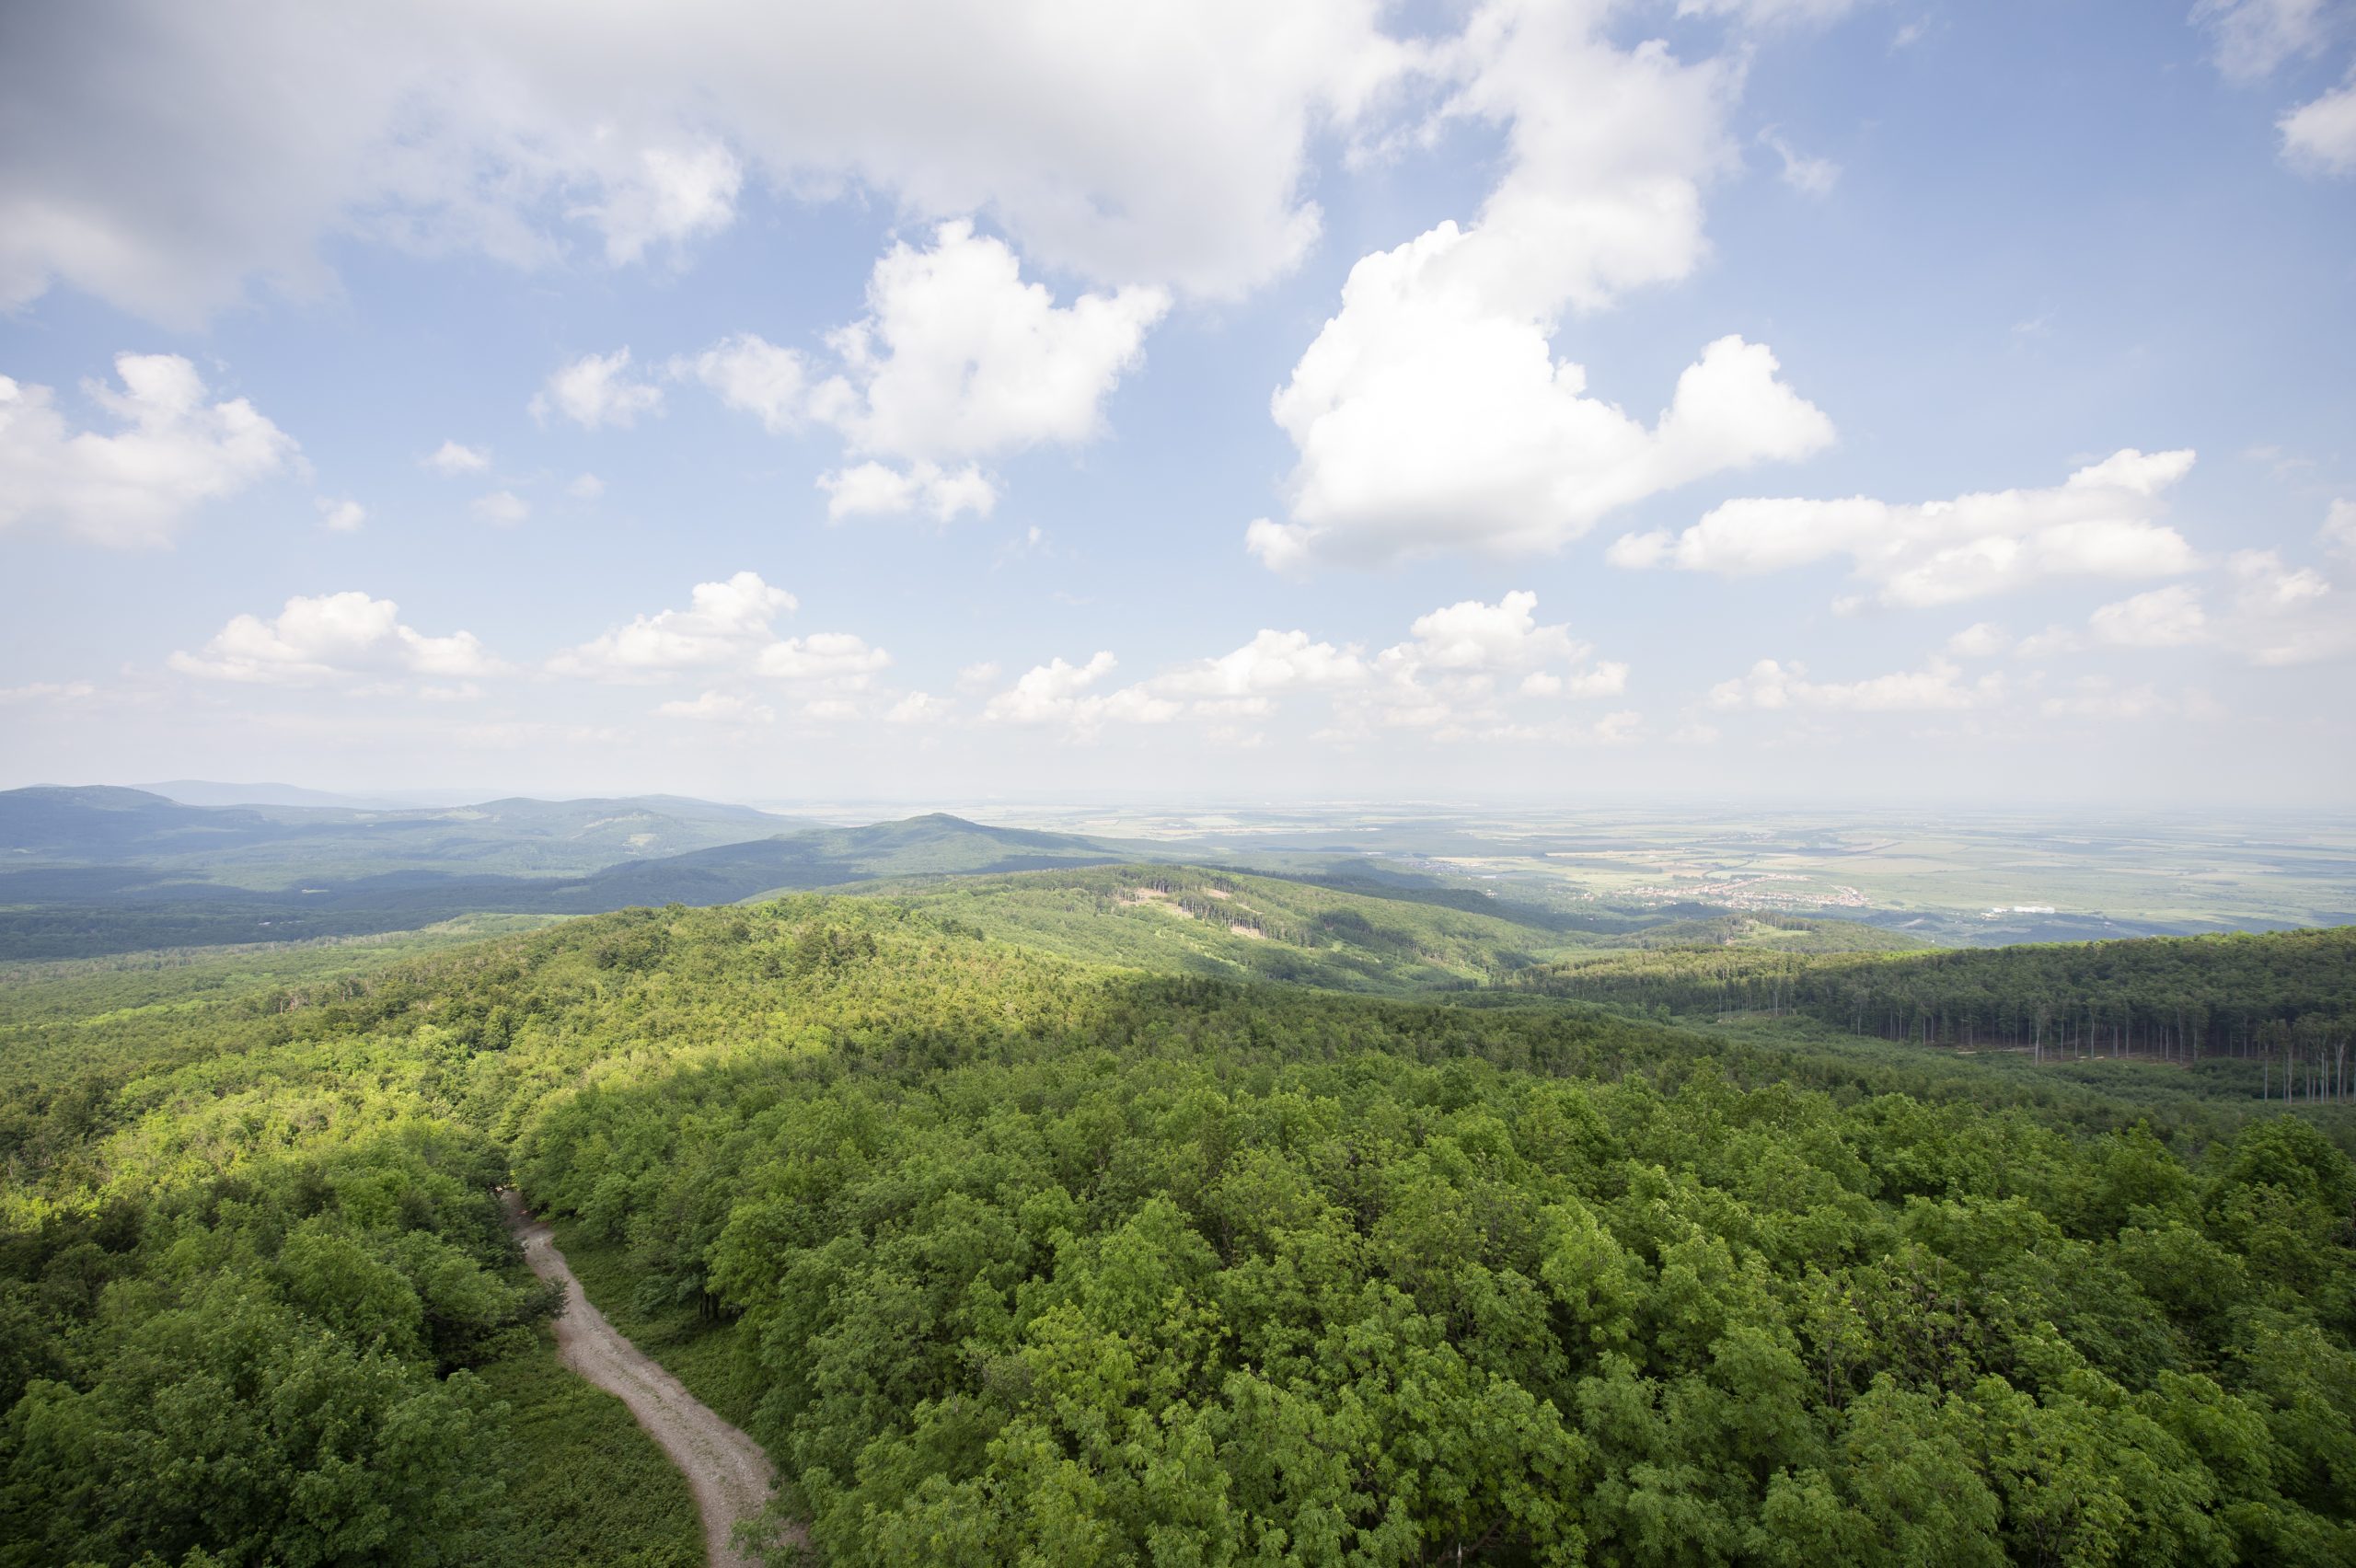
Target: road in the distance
<point x="730" y="1476"/>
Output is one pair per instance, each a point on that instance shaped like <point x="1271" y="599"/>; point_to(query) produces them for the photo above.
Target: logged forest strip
<point x="730" y="1476"/>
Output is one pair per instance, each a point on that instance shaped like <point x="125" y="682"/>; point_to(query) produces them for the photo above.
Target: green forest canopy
<point x="1030" y="1258"/>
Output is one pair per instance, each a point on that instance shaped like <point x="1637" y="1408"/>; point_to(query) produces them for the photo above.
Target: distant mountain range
<point x="210" y="792"/>
<point x="98" y="869"/>
<point x="261" y="845"/>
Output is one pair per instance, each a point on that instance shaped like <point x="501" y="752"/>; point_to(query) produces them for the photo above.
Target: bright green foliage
<point x="1036" y="1262"/>
<point x="1176" y="919"/>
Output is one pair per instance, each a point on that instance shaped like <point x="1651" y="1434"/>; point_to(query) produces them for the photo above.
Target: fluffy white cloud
<point x="718" y="708"/>
<point x="2275" y="614"/>
<point x="1456" y="675"/>
<point x="2164" y="617"/>
<point x="1060" y="693"/>
<point x="726" y="627"/>
<point x="502" y="508"/>
<point x="1431" y="411"/>
<point x="725" y="623"/>
<point x="174" y="451"/>
<point x="2321" y="134"/>
<point x="587" y="487"/>
<point x="597" y="390"/>
<point x="452" y="460"/>
<point x="2339" y="531"/>
<point x="868" y="490"/>
<point x="959" y="357"/>
<point x="754" y="375"/>
<point x="917" y="707"/>
<point x="2097" y="523"/>
<point x="673" y="196"/>
<point x="327" y="636"/>
<point x="1450" y="674"/>
<point x="160" y="157"/>
<point x="1938" y="686"/>
<point x="1272" y="663"/>
<point x="344" y="516"/>
<point x="839" y="657"/>
<point x="1475" y="438"/>
<point x="2252" y="37"/>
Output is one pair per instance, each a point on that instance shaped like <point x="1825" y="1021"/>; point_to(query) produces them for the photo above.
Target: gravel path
<point x="730" y="1476"/>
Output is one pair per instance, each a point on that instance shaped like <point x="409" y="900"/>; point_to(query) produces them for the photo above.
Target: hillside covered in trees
<point x="1005" y="1255"/>
<point x="2284" y="1002"/>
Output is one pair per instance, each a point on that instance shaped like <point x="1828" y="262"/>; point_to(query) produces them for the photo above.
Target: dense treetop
<point x="1021" y="1257"/>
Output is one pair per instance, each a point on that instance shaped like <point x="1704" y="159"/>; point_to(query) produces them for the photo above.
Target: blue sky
<point x="1235" y="402"/>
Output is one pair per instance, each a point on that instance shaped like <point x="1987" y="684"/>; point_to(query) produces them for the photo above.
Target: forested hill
<point x="1185" y="919"/>
<point x="1369" y="937"/>
<point x="382" y="875"/>
<point x="261" y="846"/>
<point x="1008" y="1257"/>
<point x="2286" y="993"/>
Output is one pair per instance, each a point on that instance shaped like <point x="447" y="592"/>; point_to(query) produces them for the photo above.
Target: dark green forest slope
<point x="2282" y="1003"/>
<point x="1017" y="1257"/>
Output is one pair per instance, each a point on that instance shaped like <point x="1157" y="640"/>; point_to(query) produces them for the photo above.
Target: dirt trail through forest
<point x="730" y="1476"/>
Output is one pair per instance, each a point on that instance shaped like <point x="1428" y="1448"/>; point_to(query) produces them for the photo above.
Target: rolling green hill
<point x="1366" y="936"/>
<point x="1189" y="921"/>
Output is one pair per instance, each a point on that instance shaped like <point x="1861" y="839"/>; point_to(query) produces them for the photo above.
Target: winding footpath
<point x="730" y="1476"/>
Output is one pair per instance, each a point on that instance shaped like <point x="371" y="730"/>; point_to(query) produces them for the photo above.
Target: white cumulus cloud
<point x="453" y="461"/>
<point x="728" y="627"/>
<point x="340" y="516"/>
<point x="597" y="390"/>
<point x="2100" y="522"/>
<point x="754" y="375"/>
<point x="2251" y="38"/>
<point x="1432" y="413"/>
<point x="1452" y="674"/>
<point x="1066" y="694"/>
<point x="959" y="357"/>
<point x="2273" y="614"/>
<point x="866" y="489"/>
<point x="174" y="449"/>
<point x="725" y="623"/>
<point x="2339" y="531"/>
<point x="1938" y="686"/>
<point x="673" y="196"/>
<point x="2320" y="134"/>
<point x="1272" y="663"/>
<point x="316" y="639"/>
<point x="835" y="656"/>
